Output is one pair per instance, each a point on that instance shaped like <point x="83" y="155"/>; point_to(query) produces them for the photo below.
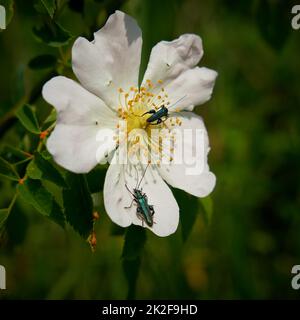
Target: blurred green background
<point x="245" y="238"/>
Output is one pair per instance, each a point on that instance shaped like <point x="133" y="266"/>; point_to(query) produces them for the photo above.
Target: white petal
<point x="190" y="173"/>
<point x="76" y="147"/>
<point x="111" y="60"/>
<point x="117" y="197"/>
<point x="81" y="119"/>
<point x="76" y="105"/>
<point x="169" y="59"/>
<point x="191" y="88"/>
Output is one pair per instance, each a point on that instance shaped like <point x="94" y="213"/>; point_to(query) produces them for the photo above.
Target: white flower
<point x="108" y="70"/>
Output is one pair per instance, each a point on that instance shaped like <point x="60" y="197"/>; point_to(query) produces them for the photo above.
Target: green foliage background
<point x="240" y="243"/>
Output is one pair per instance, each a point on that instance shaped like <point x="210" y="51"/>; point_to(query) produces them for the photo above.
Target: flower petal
<point x="76" y="147"/>
<point x="111" y="60"/>
<point x="117" y="197"/>
<point x="82" y="118"/>
<point x="76" y="105"/>
<point x="189" y="170"/>
<point x="191" y="88"/>
<point x="169" y="59"/>
<point x="172" y="67"/>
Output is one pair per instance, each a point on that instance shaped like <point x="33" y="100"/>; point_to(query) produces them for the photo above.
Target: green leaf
<point x="9" y="8"/>
<point x="51" y="118"/>
<point x="78" y="204"/>
<point x="53" y="35"/>
<point x="50" y="6"/>
<point x="34" y="192"/>
<point x="135" y="239"/>
<point x="28" y="118"/>
<point x="207" y="205"/>
<point x="4" y="213"/>
<point x="42" y="62"/>
<point x="188" y="212"/>
<point x="7" y="170"/>
<point x="41" y="168"/>
<point x="13" y="154"/>
<point x="96" y="178"/>
<point x="49" y="121"/>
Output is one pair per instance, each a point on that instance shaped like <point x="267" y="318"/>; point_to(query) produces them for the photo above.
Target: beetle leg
<point x="166" y="118"/>
<point x="148" y="112"/>
<point x="159" y="121"/>
<point x="151" y="210"/>
<point x="140" y="217"/>
<point x="130" y="204"/>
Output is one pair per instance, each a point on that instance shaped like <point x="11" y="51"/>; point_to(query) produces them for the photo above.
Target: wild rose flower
<point x="109" y="103"/>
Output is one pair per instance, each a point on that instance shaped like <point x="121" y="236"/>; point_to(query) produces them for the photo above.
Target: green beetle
<point x="144" y="210"/>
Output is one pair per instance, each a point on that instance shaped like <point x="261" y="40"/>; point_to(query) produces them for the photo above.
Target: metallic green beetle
<point x="156" y="117"/>
<point x="144" y="210"/>
<point x="160" y="115"/>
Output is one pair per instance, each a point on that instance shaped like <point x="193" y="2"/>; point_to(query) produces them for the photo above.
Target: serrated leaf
<point x="135" y="239"/>
<point x="34" y="192"/>
<point x="78" y="204"/>
<point x="42" y="62"/>
<point x="50" y="6"/>
<point x="207" y="205"/>
<point x="28" y="118"/>
<point x="7" y="170"/>
<point x="54" y="35"/>
<point x="188" y="212"/>
<point x="41" y="168"/>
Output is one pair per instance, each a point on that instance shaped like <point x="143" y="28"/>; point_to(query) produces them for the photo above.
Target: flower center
<point x="134" y="111"/>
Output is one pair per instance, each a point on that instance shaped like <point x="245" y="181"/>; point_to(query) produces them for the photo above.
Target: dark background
<point x="245" y="238"/>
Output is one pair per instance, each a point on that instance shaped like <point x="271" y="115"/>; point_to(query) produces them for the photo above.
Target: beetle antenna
<point x="128" y="189"/>
<point x="142" y="176"/>
<point x="174" y="104"/>
<point x="137" y="177"/>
